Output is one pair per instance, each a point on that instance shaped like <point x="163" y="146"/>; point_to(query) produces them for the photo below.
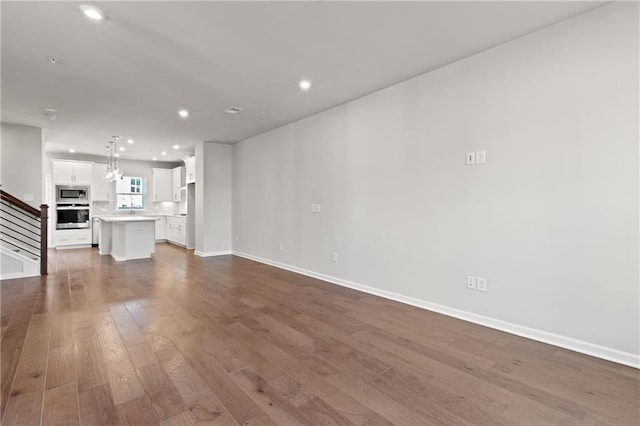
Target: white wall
<point x="21" y="149"/>
<point x="551" y="220"/>
<point x="213" y="199"/>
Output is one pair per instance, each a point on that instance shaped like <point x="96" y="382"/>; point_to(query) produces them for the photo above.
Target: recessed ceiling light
<point x="176" y="147"/>
<point x="183" y="113"/>
<point x="121" y="148"/>
<point x="92" y="12"/>
<point x="53" y="60"/>
<point x="164" y="153"/>
<point x="233" y="110"/>
<point x="72" y="150"/>
<point x="305" y="84"/>
<point x="129" y="141"/>
<point x="154" y="158"/>
<point x="117" y="155"/>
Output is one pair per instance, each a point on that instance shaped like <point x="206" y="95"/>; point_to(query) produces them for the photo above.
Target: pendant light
<point x="113" y="171"/>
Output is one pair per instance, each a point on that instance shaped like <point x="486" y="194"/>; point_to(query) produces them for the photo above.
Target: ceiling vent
<point x="234" y="110"/>
<point x="49" y="113"/>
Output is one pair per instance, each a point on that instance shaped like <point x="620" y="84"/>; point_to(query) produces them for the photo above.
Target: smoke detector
<point x="234" y="110"/>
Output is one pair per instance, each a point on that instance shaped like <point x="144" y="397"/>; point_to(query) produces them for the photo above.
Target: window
<point x="130" y="193"/>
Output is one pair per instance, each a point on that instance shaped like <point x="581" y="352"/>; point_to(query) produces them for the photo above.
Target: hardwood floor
<point x="181" y="340"/>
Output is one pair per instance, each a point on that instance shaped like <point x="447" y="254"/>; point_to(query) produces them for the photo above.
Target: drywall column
<point x="21" y="149"/>
<point x="213" y="199"/>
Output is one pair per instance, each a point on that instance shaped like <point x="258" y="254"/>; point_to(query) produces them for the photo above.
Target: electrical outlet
<point x="471" y="158"/>
<point x="481" y="157"/>
<point x="334" y="257"/>
<point x="281" y="246"/>
<point x="481" y="284"/>
<point x="471" y="282"/>
<point x="237" y="238"/>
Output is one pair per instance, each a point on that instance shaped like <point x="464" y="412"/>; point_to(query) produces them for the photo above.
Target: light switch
<point x="481" y="157"/>
<point x="315" y="208"/>
<point x="482" y="284"/>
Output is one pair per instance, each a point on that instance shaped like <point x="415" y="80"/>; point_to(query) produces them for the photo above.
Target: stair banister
<point x="41" y="215"/>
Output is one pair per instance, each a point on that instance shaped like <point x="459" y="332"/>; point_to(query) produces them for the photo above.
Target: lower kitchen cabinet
<point x="177" y="230"/>
<point x="161" y="228"/>
<point x="71" y="237"/>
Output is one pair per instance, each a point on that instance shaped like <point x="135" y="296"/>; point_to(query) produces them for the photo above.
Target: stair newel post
<point x="44" y="221"/>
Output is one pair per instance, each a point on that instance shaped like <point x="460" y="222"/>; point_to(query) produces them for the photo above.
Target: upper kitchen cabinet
<point x="162" y="185"/>
<point x="190" y="170"/>
<point x="178" y="183"/>
<point x="72" y="172"/>
<point x="101" y="190"/>
<point x="130" y="185"/>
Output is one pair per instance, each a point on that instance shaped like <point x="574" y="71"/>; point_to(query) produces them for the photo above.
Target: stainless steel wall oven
<point x="72" y="216"/>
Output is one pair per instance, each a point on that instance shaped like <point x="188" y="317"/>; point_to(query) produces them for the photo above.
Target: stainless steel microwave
<point x="72" y="194"/>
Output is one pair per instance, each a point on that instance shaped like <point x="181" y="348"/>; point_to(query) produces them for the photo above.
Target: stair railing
<point x="24" y="227"/>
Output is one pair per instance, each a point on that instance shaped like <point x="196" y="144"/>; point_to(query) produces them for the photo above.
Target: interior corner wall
<point x="22" y="153"/>
<point x="551" y="220"/>
<point x="213" y="199"/>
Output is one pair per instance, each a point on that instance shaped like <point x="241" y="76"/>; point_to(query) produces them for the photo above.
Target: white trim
<point x="30" y="267"/>
<point x="15" y="275"/>
<point x="18" y="256"/>
<point x="610" y="354"/>
<point x="73" y="246"/>
<point x="118" y="258"/>
<point x="212" y="253"/>
<point x="121" y="259"/>
<point x="176" y="243"/>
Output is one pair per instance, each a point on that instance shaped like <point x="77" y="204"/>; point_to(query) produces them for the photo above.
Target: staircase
<point x="23" y="238"/>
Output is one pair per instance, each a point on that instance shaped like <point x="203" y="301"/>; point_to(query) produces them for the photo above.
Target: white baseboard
<point x="598" y="351"/>
<point x="118" y="258"/>
<point x="16" y="275"/>
<point x="176" y="244"/>
<point x="71" y="247"/>
<point x="211" y="253"/>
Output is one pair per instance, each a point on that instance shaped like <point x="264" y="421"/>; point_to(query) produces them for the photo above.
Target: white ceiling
<point x="129" y="74"/>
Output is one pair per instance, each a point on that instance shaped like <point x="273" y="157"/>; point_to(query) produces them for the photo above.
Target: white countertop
<point x="131" y="218"/>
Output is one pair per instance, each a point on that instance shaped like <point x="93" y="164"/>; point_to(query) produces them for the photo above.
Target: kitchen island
<point x="127" y="237"/>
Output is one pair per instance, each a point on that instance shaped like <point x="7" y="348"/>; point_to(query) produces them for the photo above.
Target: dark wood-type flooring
<point x="181" y="340"/>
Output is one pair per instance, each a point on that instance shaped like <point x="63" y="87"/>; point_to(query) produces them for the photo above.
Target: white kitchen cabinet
<point x="72" y="172"/>
<point x="123" y="186"/>
<point x="130" y="185"/>
<point x="162" y="185"/>
<point x="83" y="173"/>
<point x="177" y="230"/>
<point x="190" y="170"/>
<point x="67" y="238"/>
<point x="177" y="181"/>
<point x="161" y="228"/>
<point x="101" y="190"/>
